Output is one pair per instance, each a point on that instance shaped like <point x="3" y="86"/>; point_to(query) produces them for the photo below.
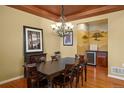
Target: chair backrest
<point x="81" y="59"/>
<point x="53" y="58"/>
<point x="32" y="77"/>
<point x="32" y="59"/>
<point x="57" y="54"/>
<point x="37" y="58"/>
<point x="56" y="57"/>
<point x="68" y="70"/>
<point x="76" y="57"/>
<point x="32" y="71"/>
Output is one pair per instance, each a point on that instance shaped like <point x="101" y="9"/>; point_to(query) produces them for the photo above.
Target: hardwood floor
<point x="96" y="78"/>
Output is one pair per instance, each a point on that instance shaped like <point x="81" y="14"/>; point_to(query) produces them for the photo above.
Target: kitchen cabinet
<point x="97" y="58"/>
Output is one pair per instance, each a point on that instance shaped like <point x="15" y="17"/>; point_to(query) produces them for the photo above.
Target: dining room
<point x="39" y="46"/>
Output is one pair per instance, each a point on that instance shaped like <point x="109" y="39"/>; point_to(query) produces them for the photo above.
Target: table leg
<point x="29" y="85"/>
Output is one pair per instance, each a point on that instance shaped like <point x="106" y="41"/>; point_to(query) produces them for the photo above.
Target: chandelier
<point x="62" y="28"/>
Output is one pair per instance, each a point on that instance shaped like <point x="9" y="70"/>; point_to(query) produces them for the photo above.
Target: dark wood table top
<point x="50" y="68"/>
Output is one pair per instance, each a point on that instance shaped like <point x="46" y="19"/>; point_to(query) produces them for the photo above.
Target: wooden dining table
<point x="53" y="69"/>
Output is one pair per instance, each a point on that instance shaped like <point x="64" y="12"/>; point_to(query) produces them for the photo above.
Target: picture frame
<point x="33" y="39"/>
<point x="68" y="39"/>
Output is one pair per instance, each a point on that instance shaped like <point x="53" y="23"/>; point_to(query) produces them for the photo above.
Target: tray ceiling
<point x="71" y="12"/>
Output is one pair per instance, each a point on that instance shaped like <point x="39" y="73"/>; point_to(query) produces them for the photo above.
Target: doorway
<point x="92" y="39"/>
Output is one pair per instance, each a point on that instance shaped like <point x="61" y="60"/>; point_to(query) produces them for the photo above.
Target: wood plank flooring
<point x="96" y="78"/>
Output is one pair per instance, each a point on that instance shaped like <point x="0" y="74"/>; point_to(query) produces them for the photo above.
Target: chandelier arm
<point x="62" y="27"/>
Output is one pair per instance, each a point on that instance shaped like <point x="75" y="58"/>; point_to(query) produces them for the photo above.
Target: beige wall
<point x="115" y="38"/>
<point x="69" y="51"/>
<point x="11" y="40"/>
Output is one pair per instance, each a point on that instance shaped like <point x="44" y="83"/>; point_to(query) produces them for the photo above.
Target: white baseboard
<point x="117" y="77"/>
<point x="6" y="81"/>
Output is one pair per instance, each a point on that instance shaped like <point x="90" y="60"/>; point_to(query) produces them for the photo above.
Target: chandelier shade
<point x="61" y="28"/>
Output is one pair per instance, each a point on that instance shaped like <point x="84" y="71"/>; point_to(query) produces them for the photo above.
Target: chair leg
<point x="63" y="86"/>
<point x="56" y="86"/>
<point x="29" y="85"/>
<point x="77" y="79"/>
<point x="38" y="84"/>
<point x="85" y="73"/>
<point x="82" y="76"/>
<point x="71" y="83"/>
<point x="53" y="85"/>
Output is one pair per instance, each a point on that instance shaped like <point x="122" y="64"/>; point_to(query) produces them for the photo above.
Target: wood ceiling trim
<point x="36" y="11"/>
<point x="84" y="14"/>
<point x="94" y="12"/>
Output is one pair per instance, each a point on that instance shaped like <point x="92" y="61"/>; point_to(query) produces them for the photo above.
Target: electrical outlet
<point x="122" y="65"/>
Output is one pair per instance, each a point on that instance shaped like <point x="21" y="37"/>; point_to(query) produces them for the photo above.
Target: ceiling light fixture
<point x="62" y="27"/>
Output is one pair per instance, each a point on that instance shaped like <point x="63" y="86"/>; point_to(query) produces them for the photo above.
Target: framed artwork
<point x="68" y="39"/>
<point x="33" y="39"/>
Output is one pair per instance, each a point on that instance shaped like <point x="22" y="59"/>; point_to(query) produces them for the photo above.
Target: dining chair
<point x="65" y="78"/>
<point x="37" y="58"/>
<point x="76" y="57"/>
<point x="35" y="79"/>
<point x="56" y="56"/>
<point x="82" y="66"/>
